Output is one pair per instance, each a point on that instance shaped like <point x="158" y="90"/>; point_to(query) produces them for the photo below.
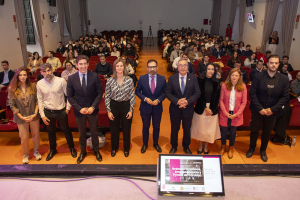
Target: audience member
<point x="295" y="85"/>
<point x="6" y="75"/>
<point x="233" y="59"/>
<point x="175" y="53"/>
<point x="195" y="55"/>
<point x="86" y="51"/>
<point x="53" y="61"/>
<point x="248" y="51"/>
<point x="217" y="52"/>
<point x="70" y="48"/>
<point x="285" y="59"/>
<point x="284" y="70"/>
<point x="250" y="60"/>
<point x="202" y="65"/>
<point x="70" y="69"/>
<point x="115" y="52"/>
<point x="238" y="64"/>
<point x="259" y="55"/>
<point x="103" y="67"/>
<point x="34" y="62"/>
<point x="70" y="58"/>
<point x="259" y="68"/>
<point x="77" y="47"/>
<point x="60" y="48"/>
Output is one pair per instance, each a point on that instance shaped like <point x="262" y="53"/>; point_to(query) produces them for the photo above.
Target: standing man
<point x="6" y="75"/>
<point x="182" y="90"/>
<point x="269" y="92"/>
<point x="84" y="92"/>
<point x="151" y="89"/>
<point x="51" y="91"/>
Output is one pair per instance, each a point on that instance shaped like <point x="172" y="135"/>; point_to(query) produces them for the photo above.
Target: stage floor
<point x="11" y="152"/>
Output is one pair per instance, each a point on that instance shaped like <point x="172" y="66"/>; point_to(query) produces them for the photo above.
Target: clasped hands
<point x="182" y="103"/>
<point x="153" y="103"/>
<point x="266" y="112"/>
<point x="111" y="116"/>
<point x="28" y="118"/>
<point x="208" y="112"/>
<point x="230" y="116"/>
<point x="86" y="111"/>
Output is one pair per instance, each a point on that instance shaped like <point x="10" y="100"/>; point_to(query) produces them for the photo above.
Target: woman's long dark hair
<point x="214" y="76"/>
<point x="34" y="54"/>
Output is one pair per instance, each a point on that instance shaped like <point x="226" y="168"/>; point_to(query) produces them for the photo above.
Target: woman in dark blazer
<point x="205" y="123"/>
<point x="22" y="97"/>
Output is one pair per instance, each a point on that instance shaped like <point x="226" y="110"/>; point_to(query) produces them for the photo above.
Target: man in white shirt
<point x="6" y="75"/>
<point x="53" y="61"/>
<point x="51" y="93"/>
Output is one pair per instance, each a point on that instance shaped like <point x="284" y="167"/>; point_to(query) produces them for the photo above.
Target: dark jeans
<point x="156" y="119"/>
<point x="175" y="126"/>
<point x="267" y="123"/>
<point x="61" y="117"/>
<point x="93" y="124"/>
<point x="119" y="111"/>
<point x="232" y="132"/>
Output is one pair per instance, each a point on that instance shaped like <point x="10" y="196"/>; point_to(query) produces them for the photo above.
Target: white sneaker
<point x="26" y="159"/>
<point x="37" y="155"/>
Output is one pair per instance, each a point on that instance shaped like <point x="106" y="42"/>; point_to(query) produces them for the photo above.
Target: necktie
<point x="83" y="83"/>
<point x="152" y="84"/>
<point x="182" y="85"/>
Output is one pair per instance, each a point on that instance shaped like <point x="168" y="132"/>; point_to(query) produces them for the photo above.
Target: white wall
<point x="125" y="14"/>
<point x="51" y="32"/>
<point x="235" y="28"/>
<point x="10" y="46"/>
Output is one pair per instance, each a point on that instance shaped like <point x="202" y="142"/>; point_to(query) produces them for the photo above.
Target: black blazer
<point x="214" y="101"/>
<point x="191" y="93"/>
<point x="260" y="98"/>
<point x="78" y="99"/>
<point x="10" y="76"/>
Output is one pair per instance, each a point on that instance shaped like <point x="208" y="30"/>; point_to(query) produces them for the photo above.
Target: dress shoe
<point x="230" y="152"/>
<point x="172" y="151"/>
<point x="250" y="152"/>
<point x="73" y="152"/>
<point x="98" y="156"/>
<point x="126" y="153"/>
<point x="264" y="156"/>
<point x="81" y="157"/>
<point x="157" y="148"/>
<point x="222" y="150"/>
<point x="199" y="151"/>
<point x="187" y="151"/>
<point x="113" y="153"/>
<point x="276" y="138"/>
<point x="205" y="152"/>
<point x="144" y="148"/>
<point x="51" y="154"/>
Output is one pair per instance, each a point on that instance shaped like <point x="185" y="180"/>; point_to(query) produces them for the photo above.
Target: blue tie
<point x="182" y="85"/>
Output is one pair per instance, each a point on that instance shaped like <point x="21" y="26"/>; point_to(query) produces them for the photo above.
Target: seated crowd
<point x="210" y="104"/>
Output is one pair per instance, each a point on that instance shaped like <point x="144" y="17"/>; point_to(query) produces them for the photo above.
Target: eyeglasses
<point x="182" y="65"/>
<point x="151" y="67"/>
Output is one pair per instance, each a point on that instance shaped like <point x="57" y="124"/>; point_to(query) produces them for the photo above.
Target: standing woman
<point x="233" y="101"/>
<point x="22" y="97"/>
<point x="34" y="62"/>
<point x="205" y="123"/>
<point x="228" y="31"/>
<point x="119" y="102"/>
<point x="273" y="42"/>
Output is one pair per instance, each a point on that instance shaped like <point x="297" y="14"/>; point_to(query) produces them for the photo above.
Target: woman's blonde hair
<point x="125" y="71"/>
<point x="240" y="84"/>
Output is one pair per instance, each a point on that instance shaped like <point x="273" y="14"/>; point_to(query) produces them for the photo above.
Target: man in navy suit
<point x="84" y="92"/>
<point x="182" y="90"/>
<point x="151" y="90"/>
<point x="269" y="92"/>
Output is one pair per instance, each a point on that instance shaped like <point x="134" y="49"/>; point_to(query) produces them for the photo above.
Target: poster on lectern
<point x="190" y="175"/>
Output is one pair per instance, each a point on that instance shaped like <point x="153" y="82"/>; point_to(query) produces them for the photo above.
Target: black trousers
<point x="175" y="126"/>
<point x="156" y="119"/>
<point x="93" y="124"/>
<point x="267" y="123"/>
<point x="119" y="111"/>
<point x="61" y="117"/>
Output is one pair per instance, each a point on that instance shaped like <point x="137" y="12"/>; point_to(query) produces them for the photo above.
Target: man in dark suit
<point x="269" y="92"/>
<point x="6" y="75"/>
<point x="151" y="89"/>
<point x="61" y="48"/>
<point x="84" y="92"/>
<point x="182" y="90"/>
<point x="238" y="64"/>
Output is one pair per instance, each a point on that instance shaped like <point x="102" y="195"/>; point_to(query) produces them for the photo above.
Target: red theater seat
<point x="294" y="73"/>
<point x="294" y="120"/>
<point x="103" y="120"/>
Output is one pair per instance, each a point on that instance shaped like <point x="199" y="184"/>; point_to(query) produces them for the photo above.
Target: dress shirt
<point x="5" y="78"/>
<point x="115" y="92"/>
<point x="54" y="62"/>
<point x="232" y="99"/>
<point x="52" y="95"/>
<point x="81" y="76"/>
<point x="150" y="78"/>
<point x="184" y="80"/>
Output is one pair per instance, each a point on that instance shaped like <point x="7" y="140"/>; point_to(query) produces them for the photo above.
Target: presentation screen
<point x="190" y="175"/>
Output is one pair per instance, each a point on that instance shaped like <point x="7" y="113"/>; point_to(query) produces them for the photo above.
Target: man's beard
<point x="272" y="69"/>
<point x="49" y="78"/>
<point x="152" y="72"/>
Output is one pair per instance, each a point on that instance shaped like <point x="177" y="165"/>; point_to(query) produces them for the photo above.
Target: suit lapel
<point x="148" y="86"/>
<point x="77" y="82"/>
<point x="188" y="80"/>
<point x="178" y="83"/>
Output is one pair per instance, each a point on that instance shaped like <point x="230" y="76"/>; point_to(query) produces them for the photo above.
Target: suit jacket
<point x="10" y="76"/>
<point x="217" y="53"/>
<point x="214" y="101"/>
<point x="76" y="96"/>
<point x="191" y="93"/>
<point x="240" y="104"/>
<point x="192" y="55"/>
<point x="143" y="90"/>
<point x="17" y="106"/>
<point x="174" y="55"/>
<point x="260" y="98"/>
